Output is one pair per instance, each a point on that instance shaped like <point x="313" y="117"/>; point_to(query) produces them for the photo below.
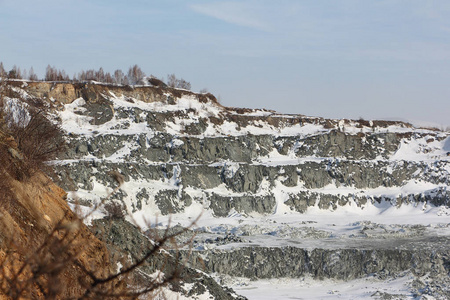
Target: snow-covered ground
<point x="316" y="227"/>
<point x="308" y="288"/>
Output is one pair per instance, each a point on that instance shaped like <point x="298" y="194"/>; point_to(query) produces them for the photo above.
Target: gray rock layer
<point x="125" y="240"/>
<point x="343" y="264"/>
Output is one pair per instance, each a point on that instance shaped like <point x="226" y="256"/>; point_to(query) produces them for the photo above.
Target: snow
<point x="446" y="146"/>
<point x="231" y="168"/>
<point x="310" y="289"/>
<point x="122" y="152"/>
<point x="423" y="150"/>
<point x="343" y="225"/>
<point x="274" y="158"/>
<point x="16" y="111"/>
<point x="281" y="196"/>
<point x="87" y="214"/>
<point x="75" y="123"/>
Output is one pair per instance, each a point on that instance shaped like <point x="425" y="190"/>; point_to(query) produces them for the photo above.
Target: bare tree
<point x="90" y="75"/>
<point x="174" y="82"/>
<point x="81" y="75"/>
<point x="51" y="73"/>
<point x="118" y="77"/>
<point x="108" y="78"/>
<point x="126" y="81"/>
<point x="62" y="76"/>
<point x="15" y="73"/>
<point x="100" y="75"/>
<point x="24" y="74"/>
<point x="183" y="84"/>
<point x="135" y="74"/>
<point x="32" y="75"/>
<point x="2" y="70"/>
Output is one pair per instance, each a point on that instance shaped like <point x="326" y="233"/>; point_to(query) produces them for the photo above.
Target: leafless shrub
<point x="7" y="169"/>
<point x="362" y="123"/>
<point x="42" y="267"/>
<point x="38" y="139"/>
<point x="115" y="210"/>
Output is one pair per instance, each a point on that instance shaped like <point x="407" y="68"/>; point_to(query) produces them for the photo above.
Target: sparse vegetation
<point x="115" y="210"/>
<point x="38" y="139"/>
<point x="179" y="83"/>
<point x="134" y="76"/>
<point x="52" y="74"/>
<point x="328" y="124"/>
<point x="362" y="123"/>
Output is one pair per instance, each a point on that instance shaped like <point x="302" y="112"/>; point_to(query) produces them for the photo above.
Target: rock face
<point x="181" y="152"/>
<point x="342" y="264"/>
<point x="124" y="238"/>
<point x="430" y="266"/>
<point x="236" y="160"/>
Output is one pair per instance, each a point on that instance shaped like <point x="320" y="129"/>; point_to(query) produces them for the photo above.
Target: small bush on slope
<point x="37" y="138"/>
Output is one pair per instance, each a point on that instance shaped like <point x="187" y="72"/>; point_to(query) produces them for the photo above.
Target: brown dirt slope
<point x="45" y="251"/>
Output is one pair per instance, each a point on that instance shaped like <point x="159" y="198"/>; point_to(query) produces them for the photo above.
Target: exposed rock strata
<point x="123" y="238"/>
<point x="344" y="264"/>
<point x="340" y="153"/>
<point x="183" y="150"/>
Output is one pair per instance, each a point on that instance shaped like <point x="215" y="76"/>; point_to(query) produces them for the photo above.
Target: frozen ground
<point x="309" y="289"/>
<point x="345" y="223"/>
<point x="381" y="226"/>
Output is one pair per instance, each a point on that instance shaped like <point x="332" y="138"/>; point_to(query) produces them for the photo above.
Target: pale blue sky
<point x="339" y="59"/>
